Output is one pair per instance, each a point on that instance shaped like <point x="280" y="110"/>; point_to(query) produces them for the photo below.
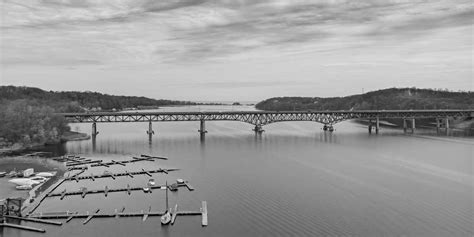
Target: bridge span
<point x="261" y="118"/>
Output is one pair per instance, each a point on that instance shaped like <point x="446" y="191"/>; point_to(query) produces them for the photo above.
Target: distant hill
<point x="388" y="99"/>
<point x="73" y="101"/>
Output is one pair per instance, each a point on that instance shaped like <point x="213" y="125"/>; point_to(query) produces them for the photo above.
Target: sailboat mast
<point x="167" y="195"/>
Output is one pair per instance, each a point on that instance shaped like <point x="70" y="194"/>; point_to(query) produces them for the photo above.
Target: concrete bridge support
<point x="94" y="136"/>
<point x="328" y="127"/>
<point x="447" y="126"/>
<point x="377" y="125"/>
<point x="202" y="129"/>
<point x="404" y="126"/>
<point x="94" y="131"/>
<point x="438" y="125"/>
<point x="412" y="125"/>
<point x="150" y="131"/>
<point x="258" y="129"/>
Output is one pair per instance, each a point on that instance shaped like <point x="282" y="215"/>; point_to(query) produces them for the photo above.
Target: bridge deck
<point x="261" y="117"/>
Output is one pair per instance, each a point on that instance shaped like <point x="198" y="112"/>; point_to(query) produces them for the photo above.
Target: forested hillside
<point x="27" y="115"/>
<point x="72" y="101"/>
<point x="388" y="99"/>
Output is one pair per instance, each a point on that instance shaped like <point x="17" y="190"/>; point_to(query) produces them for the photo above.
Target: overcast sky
<point x="236" y="49"/>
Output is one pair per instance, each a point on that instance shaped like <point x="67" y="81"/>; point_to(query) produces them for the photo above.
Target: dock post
<point x="413" y="125"/>
<point x="404" y="126"/>
<point x="370" y="126"/>
<point x="447" y="126"/>
<point x="202" y="128"/>
<point x="377" y="125"/>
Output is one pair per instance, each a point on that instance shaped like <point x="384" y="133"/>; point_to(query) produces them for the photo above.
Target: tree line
<point x="80" y="101"/>
<point x="387" y="99"/>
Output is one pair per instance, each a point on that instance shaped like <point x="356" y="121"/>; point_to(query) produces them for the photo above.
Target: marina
<point x="76" y="166"/>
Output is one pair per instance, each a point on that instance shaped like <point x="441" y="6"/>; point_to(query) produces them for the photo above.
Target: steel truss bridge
<point x="261" y="118"/>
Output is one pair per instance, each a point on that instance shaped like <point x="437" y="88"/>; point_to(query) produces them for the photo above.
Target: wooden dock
<point x="21" y="227"/>
<point x="122" y="163"/>
<point x="83" y="192"/>
<point x="33" y="220"/>
<point x="113" y="175"/>
<point x="204" y="213"/>
<point x="143" y="214"/>
<point x="84" y="163"/>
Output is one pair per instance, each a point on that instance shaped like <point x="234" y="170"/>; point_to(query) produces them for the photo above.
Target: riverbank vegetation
<point x="387" y="99"/>
<point x="28" y="115"/>
<point x="29" y="123"/>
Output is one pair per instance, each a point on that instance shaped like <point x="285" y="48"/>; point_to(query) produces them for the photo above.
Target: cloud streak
<point x="148" y="31"/>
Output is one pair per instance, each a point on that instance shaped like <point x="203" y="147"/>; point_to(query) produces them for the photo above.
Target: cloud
<point x="190" y="31"/>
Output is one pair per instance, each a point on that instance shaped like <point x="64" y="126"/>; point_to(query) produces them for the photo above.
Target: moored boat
<point x="173" y="187"/>
<point x="166" y="218"/>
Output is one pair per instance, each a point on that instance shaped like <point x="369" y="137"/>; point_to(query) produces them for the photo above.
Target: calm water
<point x="294" y="180"/>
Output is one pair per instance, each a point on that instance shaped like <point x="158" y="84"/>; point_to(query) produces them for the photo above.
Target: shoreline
<point x="66" y="137"/>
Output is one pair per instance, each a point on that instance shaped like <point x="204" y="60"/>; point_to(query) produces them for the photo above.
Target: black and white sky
<point x="236" y="49"/>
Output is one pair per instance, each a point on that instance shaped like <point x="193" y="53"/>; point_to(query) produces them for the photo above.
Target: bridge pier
<point x="447" y="126"/>
<point x="202" y="128"/>
<point x="150" y="131"/>
<point x="438" y="125"/>
<point x="94" y="136"/>
<point x="404" y="126"/>
<point x="94" y="130"/>
<point x="413" y="125"/>
<point x="258" y="129"/>
<point x="370" y="126"/>
<point x="377" y="125"/>
<point x="328" y="127"/>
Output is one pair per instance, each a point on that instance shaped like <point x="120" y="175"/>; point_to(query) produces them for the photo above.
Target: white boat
<point x="166" y="218"/>
<point x="24" y="187"/>
<point x="45" y="174"/>
<point x="28" y="172"/>
<point x="39" y="179"/>
<point x="151" y="182"/>
<point x="146" y="189"/>
<point x="180" y="181"/>
<point x="24" y="181"/>
<point x="2" y="174"/>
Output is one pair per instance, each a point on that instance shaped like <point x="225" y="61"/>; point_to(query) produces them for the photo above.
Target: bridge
<point x="261" y="118"/>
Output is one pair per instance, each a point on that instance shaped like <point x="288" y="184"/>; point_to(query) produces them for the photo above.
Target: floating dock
<point x="122" y="163"/>
<point x="143" y="214"/>
<point x="83" y="192"/>
<point x="21" y="227"/>
<point x="84" y="162"/>
<point x="126" y="173"/>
